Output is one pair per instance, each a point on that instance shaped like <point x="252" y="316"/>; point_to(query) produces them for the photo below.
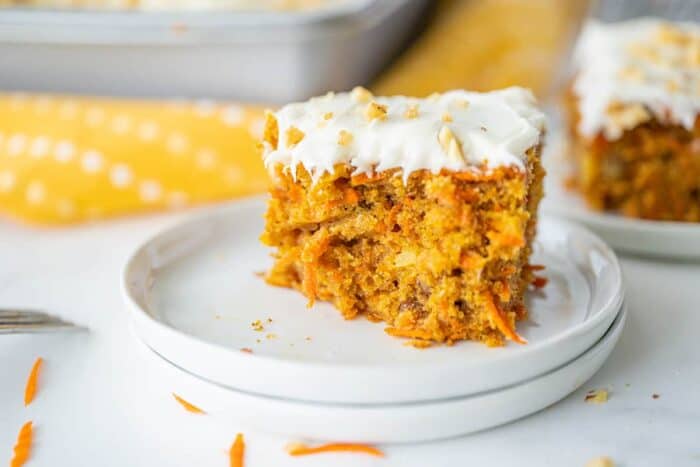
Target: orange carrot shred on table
<point x="189" y="407"/>
<point x="299" y="449"/>
<point x="23" y="446"/>
<point x="237" y="451"/>
<point x="500" y="321"/>
<point x="30" y="388"/>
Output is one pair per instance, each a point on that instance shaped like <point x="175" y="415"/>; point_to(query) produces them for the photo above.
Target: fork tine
<point x="14" y="321"/>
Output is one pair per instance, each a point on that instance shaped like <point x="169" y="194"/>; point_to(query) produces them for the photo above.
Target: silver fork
<point x="14" y="321"/>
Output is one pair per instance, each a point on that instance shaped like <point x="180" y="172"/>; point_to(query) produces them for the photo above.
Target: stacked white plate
<point x="193" y="294"/>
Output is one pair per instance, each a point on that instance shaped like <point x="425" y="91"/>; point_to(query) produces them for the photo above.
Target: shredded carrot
<point x="189" y="407"/>
<point x="23" y="446"/>
<point x="237" y="451"/>
<point x="351" y="196"/>
<point x="247" y="350"/>
<point x="299" y="449"/>
<point x="500" y="321"/>
<point x="30" y="388"/>
<point x="539" y="282"/>
<point x="535" y="267"/>
<point x="364" y="179"/>
<point x="309" y="256"/>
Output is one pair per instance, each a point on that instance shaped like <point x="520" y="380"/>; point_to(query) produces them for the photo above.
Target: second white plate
<point x="192" y="294"/>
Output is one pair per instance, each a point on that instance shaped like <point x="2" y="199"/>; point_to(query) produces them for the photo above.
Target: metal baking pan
<point x="268" y="57"/>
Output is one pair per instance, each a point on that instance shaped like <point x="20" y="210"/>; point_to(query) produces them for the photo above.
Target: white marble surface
<point x="98" y="406"/>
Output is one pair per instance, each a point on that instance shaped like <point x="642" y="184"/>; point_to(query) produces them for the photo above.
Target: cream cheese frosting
<point x="632" y="71"/>
<point x="457" y="131"/>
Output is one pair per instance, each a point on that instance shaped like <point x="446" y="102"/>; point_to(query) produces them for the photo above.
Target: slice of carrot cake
<point x="416" y="212"/>
<point x="633" y="109"/>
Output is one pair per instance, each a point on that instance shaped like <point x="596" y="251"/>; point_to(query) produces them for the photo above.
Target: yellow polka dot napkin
<point x="67" y="159"/>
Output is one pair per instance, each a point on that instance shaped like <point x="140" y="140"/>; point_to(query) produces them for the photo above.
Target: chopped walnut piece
<point x="411" y="111"/>
<point x="603" y="461"/>
<point x="345" y="138"/>
<point x="461" y="103"/>
<point x="271" y="130"/>
<point x="692" y="56"/>
<point x="631" y="73"/>
<point x="449" y="144"/>
<point x="446" y="117"/>
<point x="294" y="136"/>
<point x="644" y="52"/>
<point x="375" y="110"/>
<point x="628" y="116"/>
<point x="360" y="94"/>
<point x="596" y="396"/>
<point x="669" y="34"/>
<point x="328" y="115"/>
<point x="257" y="325"/>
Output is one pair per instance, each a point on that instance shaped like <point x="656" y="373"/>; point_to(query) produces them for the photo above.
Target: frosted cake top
<point x="457" y="131"/>
<point x="633" y="71"/>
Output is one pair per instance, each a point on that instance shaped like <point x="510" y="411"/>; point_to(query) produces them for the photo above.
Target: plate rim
<point x="142" y="317"/>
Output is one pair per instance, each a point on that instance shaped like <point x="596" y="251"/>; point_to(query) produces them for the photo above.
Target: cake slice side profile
<point x="633" y="114"/>
<point x="416" y="212"/>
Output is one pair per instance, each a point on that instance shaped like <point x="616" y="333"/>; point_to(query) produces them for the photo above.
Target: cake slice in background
<point x="416" y="212"/>
<point x="633" y="110"/>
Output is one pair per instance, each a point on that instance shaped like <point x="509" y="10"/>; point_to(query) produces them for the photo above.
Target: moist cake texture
<point x="633" y="113"/>
<point x="416" y="212"/>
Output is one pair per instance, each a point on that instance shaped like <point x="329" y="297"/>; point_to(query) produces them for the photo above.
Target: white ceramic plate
<point x="654" y="238"/>
<point x="192" y="294"/>
<point x="395" y="423"/>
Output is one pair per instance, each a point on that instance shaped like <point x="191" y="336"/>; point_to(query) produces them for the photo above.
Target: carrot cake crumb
<point x="603" y="461"/>
<point x="418" y="344"/>
<point x="596" y="396"/>
<point x="257" y="325"/>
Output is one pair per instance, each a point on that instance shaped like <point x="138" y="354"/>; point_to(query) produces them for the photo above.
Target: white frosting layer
<point x="493" y="129"/>
<point x="646" y="61"/>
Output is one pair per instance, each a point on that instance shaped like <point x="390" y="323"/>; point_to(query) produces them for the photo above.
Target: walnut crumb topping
<point x="603" y="461"/>
<point x="461" y="103"/>
<point x="375" y="111"/>
<point x="344" y="138"/>
<point x="294" y="136"/>
<point x="411" y="111"/>
<point x="449" y="144"/>
<point x="328" y="115"/>
<point x="257" y="325"/>
<point x="360" y="94"/>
